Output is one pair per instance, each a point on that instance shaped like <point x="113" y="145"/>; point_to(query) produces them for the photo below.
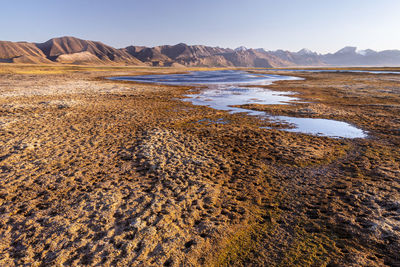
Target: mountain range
<point x="71" y="50"/>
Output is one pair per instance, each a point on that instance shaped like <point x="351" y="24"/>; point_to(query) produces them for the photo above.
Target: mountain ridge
<point x="72" y="50"/>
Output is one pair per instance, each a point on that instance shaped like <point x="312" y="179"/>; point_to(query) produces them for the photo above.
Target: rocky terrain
<point x="71" y="50"/>
<point x="100" y="172"/>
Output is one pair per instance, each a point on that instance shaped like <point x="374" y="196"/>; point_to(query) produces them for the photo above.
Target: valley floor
<point x="99" y="172"/>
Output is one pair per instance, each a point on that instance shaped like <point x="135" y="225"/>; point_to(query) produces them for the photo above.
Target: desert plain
<point x="110" y="173"/>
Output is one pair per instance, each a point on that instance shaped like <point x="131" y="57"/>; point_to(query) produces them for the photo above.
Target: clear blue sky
<point x="320" y="25"/>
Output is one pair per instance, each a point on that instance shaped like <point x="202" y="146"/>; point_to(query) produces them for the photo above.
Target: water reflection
<point x="226" y="89"/>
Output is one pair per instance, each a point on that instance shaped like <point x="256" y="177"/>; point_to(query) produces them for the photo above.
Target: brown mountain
<point x="200" y="55"/>
<point x="183" y="51"/>
<point x="79" y="58"/>
<point x="146" y="54"/>
<point x="56" y="47"/>
<point x="255" y="58"/>
<point x="187" y="55"/>
<point x="21" y="52"/>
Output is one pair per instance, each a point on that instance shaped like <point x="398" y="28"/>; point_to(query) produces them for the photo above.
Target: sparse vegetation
<point x="99" y="172"/>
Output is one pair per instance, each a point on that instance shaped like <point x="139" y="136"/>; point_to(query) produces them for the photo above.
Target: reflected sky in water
<point x="227" y="88"/>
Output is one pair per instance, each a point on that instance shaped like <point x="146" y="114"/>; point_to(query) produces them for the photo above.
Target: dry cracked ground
<point x="105" y="173"/>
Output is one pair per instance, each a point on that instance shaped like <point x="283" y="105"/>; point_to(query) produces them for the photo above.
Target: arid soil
<point x="107" y="173"/>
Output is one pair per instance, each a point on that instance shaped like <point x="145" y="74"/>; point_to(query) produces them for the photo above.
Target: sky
<point x="319" y="25"/>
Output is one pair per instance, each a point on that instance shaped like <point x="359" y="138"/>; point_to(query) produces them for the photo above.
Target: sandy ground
<point x="96" y="172"/>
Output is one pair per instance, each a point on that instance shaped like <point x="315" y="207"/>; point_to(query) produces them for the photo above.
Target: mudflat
<point x="100" y="172"/>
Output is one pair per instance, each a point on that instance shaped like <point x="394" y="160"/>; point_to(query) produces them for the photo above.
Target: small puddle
<point x="224" y="97"/>
<point x="210" y="121"/>
<point x="226" y="89"/>
<point x="331" y="128"/>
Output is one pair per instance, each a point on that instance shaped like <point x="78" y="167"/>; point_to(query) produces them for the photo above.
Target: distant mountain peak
<point x="347" y="50"/>
<point x="306" y="51"/>
<point x="366" y="52"/>
<point x="241" y="48"/>
<point x="260" y="50"/>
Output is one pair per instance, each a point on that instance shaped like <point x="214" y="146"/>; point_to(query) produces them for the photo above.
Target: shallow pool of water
<point x="224" y="97"/>
<point x="221" y="77"/>
<point x="331" y="128"/>
<point x="225" y="89"/>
